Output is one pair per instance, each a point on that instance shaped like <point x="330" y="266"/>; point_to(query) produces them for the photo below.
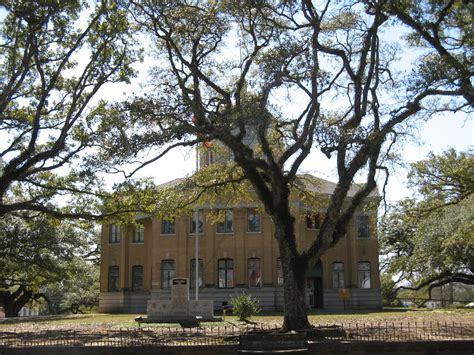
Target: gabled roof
<point x="310" y="182"/>
<point x="171" y="183"/>
<point x="319" y="185"/>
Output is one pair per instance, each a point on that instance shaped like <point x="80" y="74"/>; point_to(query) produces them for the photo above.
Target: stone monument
<point x="179" y="308"/>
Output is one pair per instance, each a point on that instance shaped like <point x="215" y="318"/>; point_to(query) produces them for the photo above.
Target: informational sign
<point x="344" y="294"/>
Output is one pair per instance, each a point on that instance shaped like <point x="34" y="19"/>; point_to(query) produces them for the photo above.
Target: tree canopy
<point x="55" y="57"/>
<point x="427" y="241"/>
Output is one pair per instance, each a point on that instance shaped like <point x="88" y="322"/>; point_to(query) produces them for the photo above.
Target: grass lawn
<point x="96" y="322"/>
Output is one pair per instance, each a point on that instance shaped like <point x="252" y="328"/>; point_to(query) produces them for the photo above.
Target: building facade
<point x="237" y="254"/>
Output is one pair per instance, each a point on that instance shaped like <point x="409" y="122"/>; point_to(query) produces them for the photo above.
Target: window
<point x="113" y="285"/>
<point x="338" y="275"/>
<point x="279" y="273"/>
<point x="363" y="271"/>
<point x="253" y="220"/>
<point x="363" y="227"/>
<point x="200" y="222"/>
<point x="313" y="221"/>
<point x="137" y="278"/>
<point x="226" y="273"/>
<point x="226" y="226"/>
<point x="209" y="157"/>
<point x="114" y="234"/>
<point x="138" y="234"/>
<point x="193" y="273"/>
<point x="254" y="272"/>
<point x="167" y="226"/>
<point x="167" y="273"/>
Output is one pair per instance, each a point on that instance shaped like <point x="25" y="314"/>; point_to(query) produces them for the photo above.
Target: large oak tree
<point x="273" y="80"/>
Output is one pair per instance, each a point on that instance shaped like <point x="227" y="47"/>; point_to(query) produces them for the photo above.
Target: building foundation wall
<point x="271" y="299"/>
<point x="359" y="299"/>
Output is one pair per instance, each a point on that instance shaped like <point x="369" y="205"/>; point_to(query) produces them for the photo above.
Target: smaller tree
<point x="245" y="306"/>
<point x="78" y="293"/>
<point x="388" y="286"/>
<point x="38" y="253"/>
<point x="428" y="241"/>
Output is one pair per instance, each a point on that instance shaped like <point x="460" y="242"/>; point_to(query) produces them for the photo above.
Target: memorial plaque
<point x="180" y="290"/>
<point x="179" y="307"/>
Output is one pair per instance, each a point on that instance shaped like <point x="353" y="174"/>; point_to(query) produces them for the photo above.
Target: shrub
<point x="244" y="306"/>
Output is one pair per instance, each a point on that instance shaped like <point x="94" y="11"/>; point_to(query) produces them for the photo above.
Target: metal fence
<point x="229" y="334"/>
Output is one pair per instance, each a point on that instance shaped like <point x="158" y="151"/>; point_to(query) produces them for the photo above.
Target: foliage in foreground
<point x="244" y="306"/>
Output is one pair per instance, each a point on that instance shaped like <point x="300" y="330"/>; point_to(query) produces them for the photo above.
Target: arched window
<point x="137" y="278"/>
<point x="363" y="271"/>
<point x="225" y="273"/>
<point x="113" y="279"/>
<point x="338" y="275"/>
<point x="167" y="273"/>
<point x="254" y="272"/>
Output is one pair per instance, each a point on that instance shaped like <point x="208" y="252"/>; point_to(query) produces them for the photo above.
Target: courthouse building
<point x="237" y="254"/>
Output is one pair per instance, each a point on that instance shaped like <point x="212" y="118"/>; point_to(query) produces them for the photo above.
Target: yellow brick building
<point x="237" y="255"/>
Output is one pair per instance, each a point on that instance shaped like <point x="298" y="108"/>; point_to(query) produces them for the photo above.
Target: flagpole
<point x="196" y="236"/>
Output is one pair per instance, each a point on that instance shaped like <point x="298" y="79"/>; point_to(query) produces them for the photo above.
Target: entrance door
<point x="315" y="283"/>
<point x="318" y="292"/>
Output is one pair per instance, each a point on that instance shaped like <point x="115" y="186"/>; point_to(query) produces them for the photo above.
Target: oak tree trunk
<point x="295" y="314"/>
<point x="13" y="302"/>
<point x="294" y="269"/>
